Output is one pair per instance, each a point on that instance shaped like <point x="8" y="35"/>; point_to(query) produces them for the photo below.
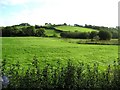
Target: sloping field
<point x="74" y="28"/>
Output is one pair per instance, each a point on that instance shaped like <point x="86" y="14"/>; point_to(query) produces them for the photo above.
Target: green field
<point x="52" y="32"/>
<point x="52" y="50"/>
<point x="74" y="28"/>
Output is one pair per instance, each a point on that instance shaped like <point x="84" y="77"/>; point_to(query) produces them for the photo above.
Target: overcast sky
<point x="94" y="12"/>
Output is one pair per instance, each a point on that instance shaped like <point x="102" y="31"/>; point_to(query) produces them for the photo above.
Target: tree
<point x="40" y="32"/>
<point x="63" y="34"/>
<point x="37" y="26"/>
<point x="65" y="24"/>
<point x="105" y="35"/>
<point x="7" y="31"/>
<point x="0" y="31"/>
<point x="29" y="31"/>
<point x="114" y="34"/>
<point x="93" y="34"/>
<point x="24" y="24"/>
<point x="83" y="35"/>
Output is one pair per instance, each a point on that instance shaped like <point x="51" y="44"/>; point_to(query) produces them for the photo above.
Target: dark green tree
<point x="114" y="34"/>
<point x="29" y="31"/>
<point x="65" y="24"/>
<point x="24" y="24"/>
<point x="83" y="35"/>
<point x="105" y="35"/>
<point x="40" y="32"/>
<point x="7" y="31"/>
<point x="93" y="34"/>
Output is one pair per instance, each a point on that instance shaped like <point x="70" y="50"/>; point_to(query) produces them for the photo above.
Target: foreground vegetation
<point x="71" y="77"/>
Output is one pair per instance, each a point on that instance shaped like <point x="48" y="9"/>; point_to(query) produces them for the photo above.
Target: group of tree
<point x="23" y="31"/>
<point x="81" y="35"/>
<point x="113" y="31"/>
<point x="102" y="35"/>
<point x="50" y="24"/>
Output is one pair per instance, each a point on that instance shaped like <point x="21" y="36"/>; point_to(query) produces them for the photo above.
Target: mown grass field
<point x="52" y="50"/>
<point x="74" y="28"/>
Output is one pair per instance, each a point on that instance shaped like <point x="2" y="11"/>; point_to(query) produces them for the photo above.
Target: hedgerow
<point x="69" y="77"/>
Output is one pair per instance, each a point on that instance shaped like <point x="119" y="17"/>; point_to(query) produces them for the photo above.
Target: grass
<point x="74" y="28"/>
<point x="52" y="50"/>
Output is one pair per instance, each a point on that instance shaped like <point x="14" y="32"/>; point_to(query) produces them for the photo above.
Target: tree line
<point x="101" y="35"/>
<point x="113" y="31"/>
<point x="25" y="29"/>
<point x="22" y="31"/>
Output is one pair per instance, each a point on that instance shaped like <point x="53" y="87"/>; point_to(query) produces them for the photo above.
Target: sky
<point x="39" y="12"/>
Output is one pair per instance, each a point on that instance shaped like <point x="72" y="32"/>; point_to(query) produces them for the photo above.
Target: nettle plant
<point x="71" y="76"/>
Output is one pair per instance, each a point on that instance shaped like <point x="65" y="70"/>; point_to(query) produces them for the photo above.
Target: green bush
<point x="105" y="35"/>
<point x="40" y="32"/>
<point x="71" y="77"/>
<point x="81" y="35"/>
<point x="93" y="34"/>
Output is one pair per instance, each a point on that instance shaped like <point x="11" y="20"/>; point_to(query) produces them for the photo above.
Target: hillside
<point x="81" y="32"/>
<point x="74" y="28"/>
<point x="52" y="32"/>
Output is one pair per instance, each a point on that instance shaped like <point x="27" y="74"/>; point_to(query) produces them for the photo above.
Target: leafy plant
<point x="71" y="77"/>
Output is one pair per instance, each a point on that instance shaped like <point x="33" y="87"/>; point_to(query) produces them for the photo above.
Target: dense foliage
<point x="71" y="77"/>
<point x="40" y="32"/>
<point x="22" y="31"/>
<point x="93" y="34"/>
<point x="113" y="31"/>
<point x="81" y="35"/>
<point x="105" y="35"/>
